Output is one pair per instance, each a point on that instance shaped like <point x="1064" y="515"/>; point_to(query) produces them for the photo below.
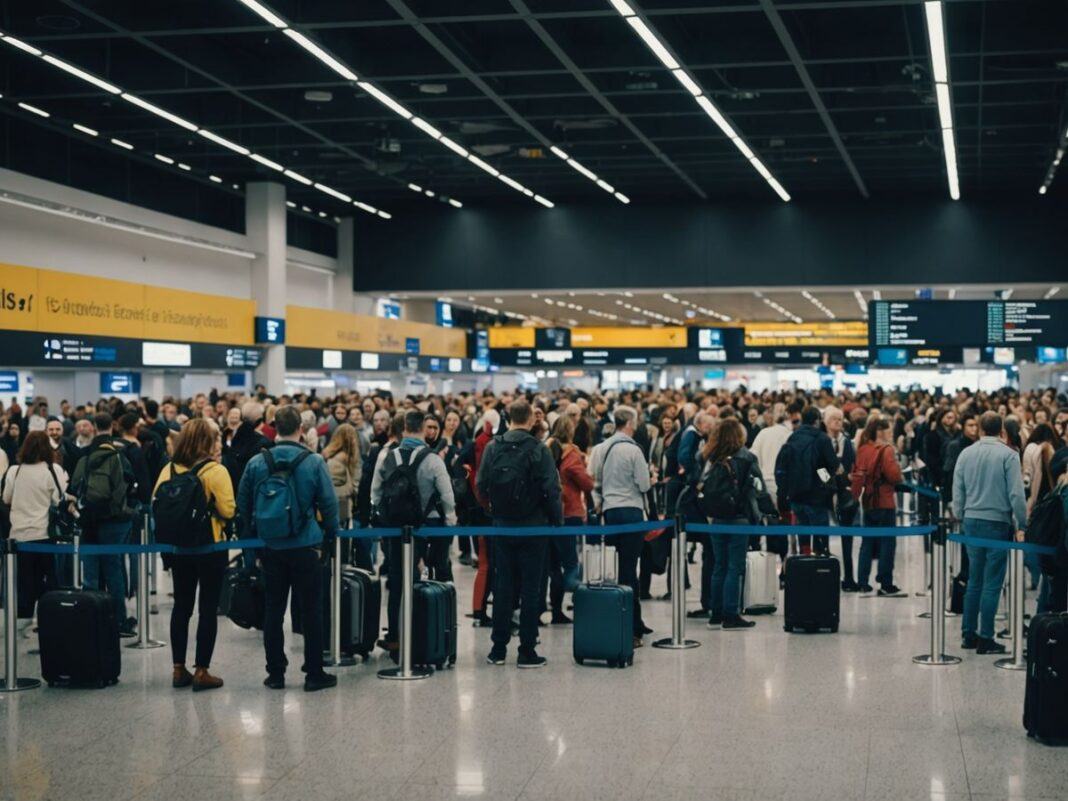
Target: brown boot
<point x="182" y="677"/>
<point x="202" y="680"/>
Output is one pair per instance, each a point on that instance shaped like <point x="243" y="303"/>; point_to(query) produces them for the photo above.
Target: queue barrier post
<point x="336" y="658"/>
<point x="144" y="639"/>
<point x="937" y="655"/>
<point x="12" y="682"/>
<point x="405" y="671"/>
<point x="1017" y="583"/>
<point x="677" y="641"/>
<point x="76" y="561"/>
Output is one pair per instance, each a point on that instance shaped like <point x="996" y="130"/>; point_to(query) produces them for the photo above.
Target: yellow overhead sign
<point x="321" y="328"/>
<point x="511" y="337"/>
<point x="68" y="303"/>
<point x="853" y="333"/>
<point x="624" y="337"/>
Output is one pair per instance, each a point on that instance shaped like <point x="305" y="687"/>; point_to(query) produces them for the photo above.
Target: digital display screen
<point x="331" y="360"/>
<point x="443" y="313"/>
<point x="552" y="338"/>
<point x="368" y="361"/>
<point x="708" y="338"/>
<point x="1051" y="355"/>
<point x="967" y="323"/>
<point x="166" y="354"/>
<point x="270" y="331"/>
<point x="242" y="357"/>
<point x="120" y="383"/>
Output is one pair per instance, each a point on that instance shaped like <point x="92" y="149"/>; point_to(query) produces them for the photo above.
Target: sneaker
<point x="127" y="633"/>
<point x="715" y="622"/>
<point x="969" y="642"/>
<point x="496" y="657"/>
<point x="275" y="681"/>
<point x="530" y="659"/>
<point x="665" y="597"/>
<point x="560" y="619"/>
<point x="864" y="588"/>
<point x="702" y="612"/>
<point x="388" y="645"/>
<point x="985" y="646"/>
<point x="646" y="630"/>
<point x="890" y="591"/>
<point x="638" y="643"/>
<point x="849" y="586"/>
<point x="465" y="559"/>
<point x="319" y="681"/>
<point x="645" y="596"/>
<point x="737" y="622"/>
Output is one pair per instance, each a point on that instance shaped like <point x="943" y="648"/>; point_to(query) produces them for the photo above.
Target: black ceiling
<point x="609" y="102"/>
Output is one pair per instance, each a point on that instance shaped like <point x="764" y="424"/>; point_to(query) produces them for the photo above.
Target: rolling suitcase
<point x="604" y="620"/>
<point x="760" y="586"/>
<point x="79" y="638"/>
<point x="243" y="588"/>
<point x="813" y="587"/>
<point x="361" y="605"/>
<point x="434" y="624"/>
<point x="1046" y="695"/>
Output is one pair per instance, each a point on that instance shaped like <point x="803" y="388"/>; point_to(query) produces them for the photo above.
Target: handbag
<point x="62" y="524"/>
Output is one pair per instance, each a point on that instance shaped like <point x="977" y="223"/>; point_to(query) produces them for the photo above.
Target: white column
<point x="265" y="227"/>
<point x="343" y="299"/>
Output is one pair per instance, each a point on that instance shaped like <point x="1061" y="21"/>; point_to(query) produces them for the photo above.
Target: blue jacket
<point x="314" y="490"/>
<point x="689" y="444"/>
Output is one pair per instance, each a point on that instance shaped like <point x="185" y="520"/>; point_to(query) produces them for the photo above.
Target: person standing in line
<point x="988" y="496"/>
<point x="877" y="461"/>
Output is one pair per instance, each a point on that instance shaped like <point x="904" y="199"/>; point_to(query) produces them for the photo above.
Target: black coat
<point x="244" y="444"/>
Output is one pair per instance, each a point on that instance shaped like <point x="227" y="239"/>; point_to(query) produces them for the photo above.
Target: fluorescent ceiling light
<point x="385" y="99"/>
<point x="365" y="207"/>
<point x="85" y="76"/>
<point x="224" y="142"/>
<point x="164" y="159"/>
<point x="185" y="167"/>
<point x="622" y="7"/>
<point x="426" y="127"/>
<point x="11" y="40"/>
<point x="321" y="54"/>
<point x="123" y="145"/>
<point x="484" y="166"/>
<point x="950" y="148"/>
<point x="782" y="193"/>
<point x="1053" y="290"/>
<point x="717" y="117"/>
<point x="512" y="183"/>
<point x="34" y="110"/>
<point x="558" y="152"/>
<point x="945" y="107"/>
<point x="265" y="13"/>
<point x="454" y="202"/>
<point x="687" y="82"/>
<point x="546" y="203"/>
<point x="758" y="165"/>
<point x="622" y="198"/>
<point x="159" y="112"/>
<point x="607" y="187"/>
<point x="296" y="176"/>
<point x="742" y="146"/>
<point x="415" y="187"/>
<point x="333" y="192"/>
<point x="1043" y="189"/>
<point x="291" y="204"/>
<point x="455" y="148"/>
<point x="274" y="165"/>
<point x="385" y="215"/>
<point x="653" y="43"/>
<point x="937" y="36"/>
<point x="215" y="178"/>
<point x="85" y="129"/>
<point x="582" y="170"/>
<point x="429" y="193"/>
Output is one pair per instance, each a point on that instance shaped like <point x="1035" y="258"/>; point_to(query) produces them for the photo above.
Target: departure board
<point x="966" y="323"/>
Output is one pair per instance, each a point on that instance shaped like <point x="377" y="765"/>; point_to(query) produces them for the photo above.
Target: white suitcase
<point x="760" y="588"/>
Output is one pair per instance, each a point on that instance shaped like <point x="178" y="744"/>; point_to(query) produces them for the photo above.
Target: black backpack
<point x="1046" y="525"/>
<point x="721" y="490"/>
<point x="400" y="503"/>
<point x="93" y="493"/>
<point x="511" y="491"/>
<point x="181" y="510"/>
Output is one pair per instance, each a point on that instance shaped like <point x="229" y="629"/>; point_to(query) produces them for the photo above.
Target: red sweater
<point x="575" y="482"/>
<point x="889" y="473"/>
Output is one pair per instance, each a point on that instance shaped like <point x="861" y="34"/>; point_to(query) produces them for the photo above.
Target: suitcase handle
<point x="603" y="579"/>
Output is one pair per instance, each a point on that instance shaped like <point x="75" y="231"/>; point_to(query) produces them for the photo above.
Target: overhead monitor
<point x="166" y="354"/>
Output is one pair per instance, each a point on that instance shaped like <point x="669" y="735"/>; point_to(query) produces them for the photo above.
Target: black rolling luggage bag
<point x="434" y="624"/>
<point x="813" y="584"/>
<point x="1046" y="694"/>
<point x="245" y="599"/>
<point x="79" y="638"/>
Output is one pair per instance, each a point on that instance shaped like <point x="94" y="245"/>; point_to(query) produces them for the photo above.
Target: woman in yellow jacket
<point x="199" y="442"/>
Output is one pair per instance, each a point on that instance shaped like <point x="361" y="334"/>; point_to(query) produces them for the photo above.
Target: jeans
<point x="878" y="518"/>
<point x="725" y="587"/>
<point x="986" y="574"/>
<point x="629" y="548"/>
<point x="809" y="515"/>
<point x="434" y="551"/>
<point x="187" y="573"/>
<point x="108" y="572"/>
<point x="300" y="569"/>
<point x="562" y="571"/>
<point x="517" y="561"/>
<point x="36" y="576"/>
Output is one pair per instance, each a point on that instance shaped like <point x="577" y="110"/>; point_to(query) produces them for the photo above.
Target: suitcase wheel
<point x="788" y="628"/>
<point x="834" y="629"/>
<point x="578" y="661"/>
<point x="452" y="660"/>
<point x="439" y="666"/>
<point x="612" y="663"/>
<point x="51" y="684"/>
<point x="810" y="630"/>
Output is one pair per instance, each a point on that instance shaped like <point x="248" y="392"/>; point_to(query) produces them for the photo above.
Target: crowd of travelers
<point x="522" y="459"/>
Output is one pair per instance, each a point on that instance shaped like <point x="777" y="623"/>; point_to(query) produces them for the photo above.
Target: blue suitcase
<point x="604" y="621"/>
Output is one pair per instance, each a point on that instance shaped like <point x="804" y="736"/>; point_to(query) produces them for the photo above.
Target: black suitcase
<point x="79" y="638"/>
<point x="956" y="595"/>
<point x="604" y="620"/>
<point x="813" y="587"/>
<point x="1046" y="695"/>
<point x="434" y="624"/>
<point x="361" y="609"/>
<point x="246" y="603"/>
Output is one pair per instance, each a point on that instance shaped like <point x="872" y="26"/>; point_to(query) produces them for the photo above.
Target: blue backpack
<point x="276" y="513"/>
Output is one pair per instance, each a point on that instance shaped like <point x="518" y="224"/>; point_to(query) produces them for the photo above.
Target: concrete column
<point x="342" y="281"/>
<point x="265" y="227"/>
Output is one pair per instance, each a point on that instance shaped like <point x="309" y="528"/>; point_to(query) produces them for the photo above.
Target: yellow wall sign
<point x="511" y="336"/>
<point x="620" y="337"/>
<point x="67" y="303"/>
<point x="850" y="334"/>
<point x="320" y="328"/>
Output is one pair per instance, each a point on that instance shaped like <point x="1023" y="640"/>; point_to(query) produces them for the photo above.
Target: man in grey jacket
<point x="988" y="496"/>
<point x="620" y="480"/>
<point x="438" y="508"/>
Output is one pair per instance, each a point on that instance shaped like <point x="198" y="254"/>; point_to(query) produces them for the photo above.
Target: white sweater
<point x="30" y="492"/>
<point x="766" y="447"/>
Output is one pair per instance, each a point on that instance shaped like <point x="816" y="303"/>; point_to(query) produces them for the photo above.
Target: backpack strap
<point x="269" y="459"/>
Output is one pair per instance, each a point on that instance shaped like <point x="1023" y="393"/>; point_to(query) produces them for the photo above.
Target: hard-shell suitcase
<point x="813" y="587"/>
<point x="361" y="605"/>
<point x="79" y="638"/>
<point x="604" y="620"/>
<point x="760" y="586"/>
<point x="434" y="627"/>
<point x="246" y="601"/>
<point x="1046" y="695"/>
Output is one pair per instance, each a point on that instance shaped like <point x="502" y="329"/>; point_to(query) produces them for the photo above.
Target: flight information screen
<point x="966" y="323"/>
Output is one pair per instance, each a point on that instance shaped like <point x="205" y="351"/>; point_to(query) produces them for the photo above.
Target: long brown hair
<point x="343" y="441"/>
<point x="196" y="442"/>
<point x="725" y="440"/>
<point x="37" y="448"/>
<point x="872" y="429"/>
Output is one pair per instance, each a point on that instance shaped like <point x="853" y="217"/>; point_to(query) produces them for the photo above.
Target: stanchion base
<point x="924" y="615"/>
<point x="671" y="645"/>
<point x="930" y="659"/>
<point x="1010" y="664"/>
<point x="921" y="594"/>
<point x="947" y="613"/>
<point x="20" y="684"/>
<point x="345" y="661"/>
<point x="397" y="674"/>
<point x="147" y="645"/>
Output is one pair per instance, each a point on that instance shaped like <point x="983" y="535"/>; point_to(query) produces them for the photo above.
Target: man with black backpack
<point x="103" y="486"/>
<point x="287" y="499"/>
<point x="805" y="476"/>
<point x="518" y="479"/>
<point x="411" y="487"/>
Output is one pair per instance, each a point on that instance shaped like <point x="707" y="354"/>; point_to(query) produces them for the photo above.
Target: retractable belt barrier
<point x="789" y="531"/>
<point x="1003" y="545"/>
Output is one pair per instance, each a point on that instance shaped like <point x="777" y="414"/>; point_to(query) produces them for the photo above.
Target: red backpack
<point x="865" y="479"/>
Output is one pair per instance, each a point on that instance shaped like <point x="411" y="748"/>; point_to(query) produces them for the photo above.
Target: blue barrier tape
<point x="786" y="531"/>
<point x="547" y="531"/>
<point x="921" y="490"/>
<point x="1003" y="545"/>
<point x="135" y="548"/>
<point x="367" y="533"/>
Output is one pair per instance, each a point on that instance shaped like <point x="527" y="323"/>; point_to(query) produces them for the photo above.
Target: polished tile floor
<point x="749" y="715"/>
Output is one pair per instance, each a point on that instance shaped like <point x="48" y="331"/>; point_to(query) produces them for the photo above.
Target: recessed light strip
<point x="936" y="37"/>
<point x="660" y="49"/>
<point x="1058" y="156"/>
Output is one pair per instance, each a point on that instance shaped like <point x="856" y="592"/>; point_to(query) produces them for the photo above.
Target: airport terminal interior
<point x="357" y="359"/>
